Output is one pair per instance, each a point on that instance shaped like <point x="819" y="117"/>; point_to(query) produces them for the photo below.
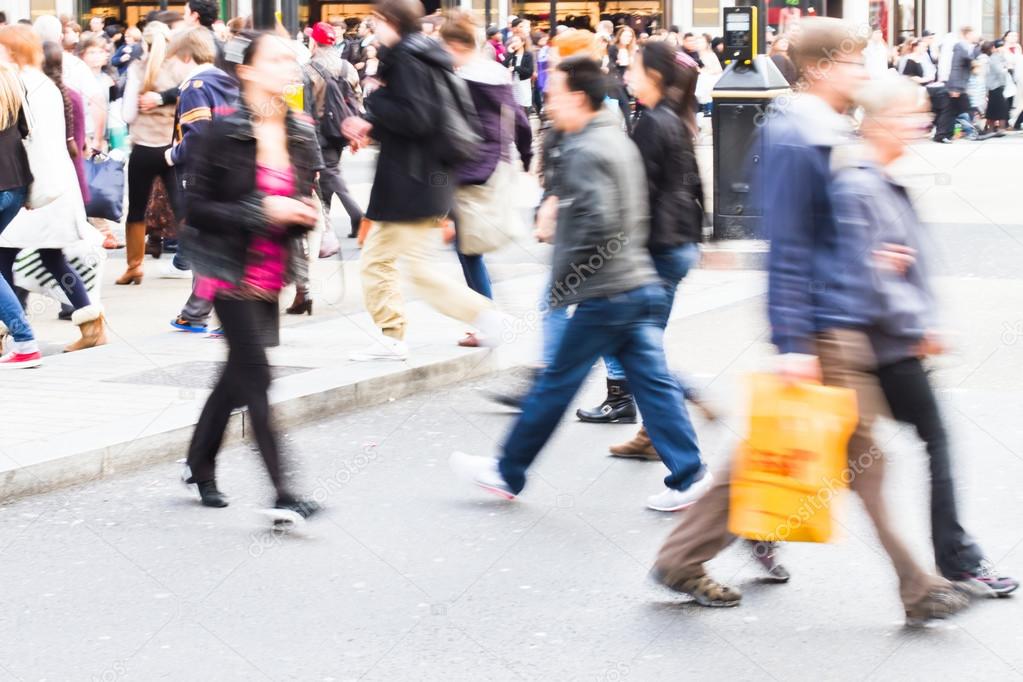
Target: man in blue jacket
<point x="816" y="296"/>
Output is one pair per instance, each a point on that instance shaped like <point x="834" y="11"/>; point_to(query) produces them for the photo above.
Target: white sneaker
<point x="168" y="271"/>
<point x="482" y="471"/>
<point x="385" y="348"/>
<point x="672" y="500"/>
<point x="492" y="325"/>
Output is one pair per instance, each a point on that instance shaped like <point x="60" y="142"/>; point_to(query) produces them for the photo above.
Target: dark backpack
<point x="338" y="101"/>
<point x="458" y="136"/>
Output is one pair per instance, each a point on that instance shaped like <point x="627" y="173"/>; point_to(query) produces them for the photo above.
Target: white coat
<point x="62" y="222"/>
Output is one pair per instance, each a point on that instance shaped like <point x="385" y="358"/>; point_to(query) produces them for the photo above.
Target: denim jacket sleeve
<point x="788" y="212"/>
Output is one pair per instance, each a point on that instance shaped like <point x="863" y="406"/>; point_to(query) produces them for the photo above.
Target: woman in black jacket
<point x="664" y="134"/>
<point x="249" y="202"/>
<point x="519" y="61"/>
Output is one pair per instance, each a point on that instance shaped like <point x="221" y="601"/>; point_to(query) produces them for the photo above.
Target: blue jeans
<point x="11" y="312"/>
<point x="476" y="275"/>
<point x="627" y="325"/>
<point x="672" y="267"/>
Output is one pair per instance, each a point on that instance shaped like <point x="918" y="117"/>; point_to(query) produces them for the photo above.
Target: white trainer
<point x="385" y="348"/>
<point x="481" y="471"/>
<point x="168" y="271"/>
<point x="672" y="500"/>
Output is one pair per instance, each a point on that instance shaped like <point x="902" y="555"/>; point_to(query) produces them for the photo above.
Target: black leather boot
<point x="210" y="495"/>
<point x="618" y="408"/>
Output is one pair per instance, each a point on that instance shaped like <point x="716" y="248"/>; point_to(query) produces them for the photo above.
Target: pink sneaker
<point x="21" y="360"/>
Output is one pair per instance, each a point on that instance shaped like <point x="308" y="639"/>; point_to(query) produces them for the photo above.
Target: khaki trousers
<point x="846" y="360"/>
<point x="417" y="246"/>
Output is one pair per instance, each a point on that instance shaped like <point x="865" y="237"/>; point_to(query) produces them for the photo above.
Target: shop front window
<point x="905" y="20"/>
<point x="878" y="17"/>
<point x="642" y="15"/>
<point x="989" y="17"/>
<point x="784" y="15"/>
<point x="40" y="8"/>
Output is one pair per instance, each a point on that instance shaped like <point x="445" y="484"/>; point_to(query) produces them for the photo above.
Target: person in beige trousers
<point x="413" y="189"/>
<point x="818" y="314"/>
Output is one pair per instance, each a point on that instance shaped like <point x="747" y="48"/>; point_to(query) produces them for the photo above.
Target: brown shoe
<point x="92" y="327"/>
<point x="939" y="603"/>
<point x="639" y="447"/>
<point x="704" y="590"/>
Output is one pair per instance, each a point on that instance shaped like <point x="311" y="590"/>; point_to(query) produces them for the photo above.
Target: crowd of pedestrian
<point x="236" y="137"/>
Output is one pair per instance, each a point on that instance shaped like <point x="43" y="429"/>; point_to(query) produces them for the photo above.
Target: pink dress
<point x="268" y="256"/>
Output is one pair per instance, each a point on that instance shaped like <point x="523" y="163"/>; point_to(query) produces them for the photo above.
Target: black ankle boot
<point x="211" y="497"/>
<point x="618" y="408"/>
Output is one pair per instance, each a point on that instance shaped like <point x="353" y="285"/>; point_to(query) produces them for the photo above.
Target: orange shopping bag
<point x="792" y="464"/>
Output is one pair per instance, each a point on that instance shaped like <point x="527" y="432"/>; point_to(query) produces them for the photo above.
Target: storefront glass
<point x="783" y="15"/>
<point x="644" y="16"/>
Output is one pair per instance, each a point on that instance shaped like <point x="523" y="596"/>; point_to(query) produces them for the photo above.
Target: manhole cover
<point x="198" y="374"/>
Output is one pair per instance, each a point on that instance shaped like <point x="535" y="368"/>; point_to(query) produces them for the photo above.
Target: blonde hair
<point x="155" y="37"/>
<point x="888" y="92"/>
<point x="10" y="97"/>
<point x="195" y="43"/>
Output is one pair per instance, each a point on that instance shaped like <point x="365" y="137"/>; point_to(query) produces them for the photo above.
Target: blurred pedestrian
<point x="501" y="123"/>
<point x="519" y="62"/>
<point x="819" y="298"/>
<point x="15" y="178"/>
<point x="411" y="191"/>
<point x="664" y="136"/>
<point x="60" y="224"/>
<point x="603" y="269"/>
<point x="206" y="93"/>
<point x="151" y="134"/>
<point x="871" y="205"/>
<point x="327" y="71"/>
<point x="249" y="200"/>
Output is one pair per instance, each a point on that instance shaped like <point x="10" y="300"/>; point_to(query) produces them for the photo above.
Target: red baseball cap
<point x="322" y="33"/>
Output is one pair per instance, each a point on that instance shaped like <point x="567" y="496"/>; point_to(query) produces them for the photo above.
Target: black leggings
<point x="145" y="165"/>
<point x="243" y="383"/>
<point x="910" y="397"/>
<point x="54" y="262"/>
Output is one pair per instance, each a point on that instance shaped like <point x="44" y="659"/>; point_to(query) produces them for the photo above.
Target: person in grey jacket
<point x="872" y="206"/>
<point x="963" y="54"/>
<point x="602" y="267"/>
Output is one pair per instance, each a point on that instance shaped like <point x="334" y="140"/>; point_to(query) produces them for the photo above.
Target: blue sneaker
<point x="217" y="333"/>
<point x="181" y="324"/>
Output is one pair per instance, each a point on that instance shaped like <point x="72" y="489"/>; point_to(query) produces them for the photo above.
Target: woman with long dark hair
<point x="250" y="203"/>
<point x="664" y="135"/>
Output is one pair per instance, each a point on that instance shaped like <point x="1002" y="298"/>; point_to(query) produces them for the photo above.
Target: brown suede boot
<point x="639" y="447"/>
<point x="135" y="234"/>
<point x="92" y="326"/>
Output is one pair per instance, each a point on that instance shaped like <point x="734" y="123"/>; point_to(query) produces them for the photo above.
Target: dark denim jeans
<point x="11" y="312"/>
<point x="672" y="267"/>
<point x="627" y="325"/>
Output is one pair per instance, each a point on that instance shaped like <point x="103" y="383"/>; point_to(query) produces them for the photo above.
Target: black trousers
<point x="944" y="115"/>
<point x="249" y="327"/>
<point x="911" y="400"/>
<point x="332" y="183"/>
<point x="145" y="165"/>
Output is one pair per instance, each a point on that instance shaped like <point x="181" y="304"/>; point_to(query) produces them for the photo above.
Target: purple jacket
<point x="490" y="86"/>
<point x="78" y="116"/>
